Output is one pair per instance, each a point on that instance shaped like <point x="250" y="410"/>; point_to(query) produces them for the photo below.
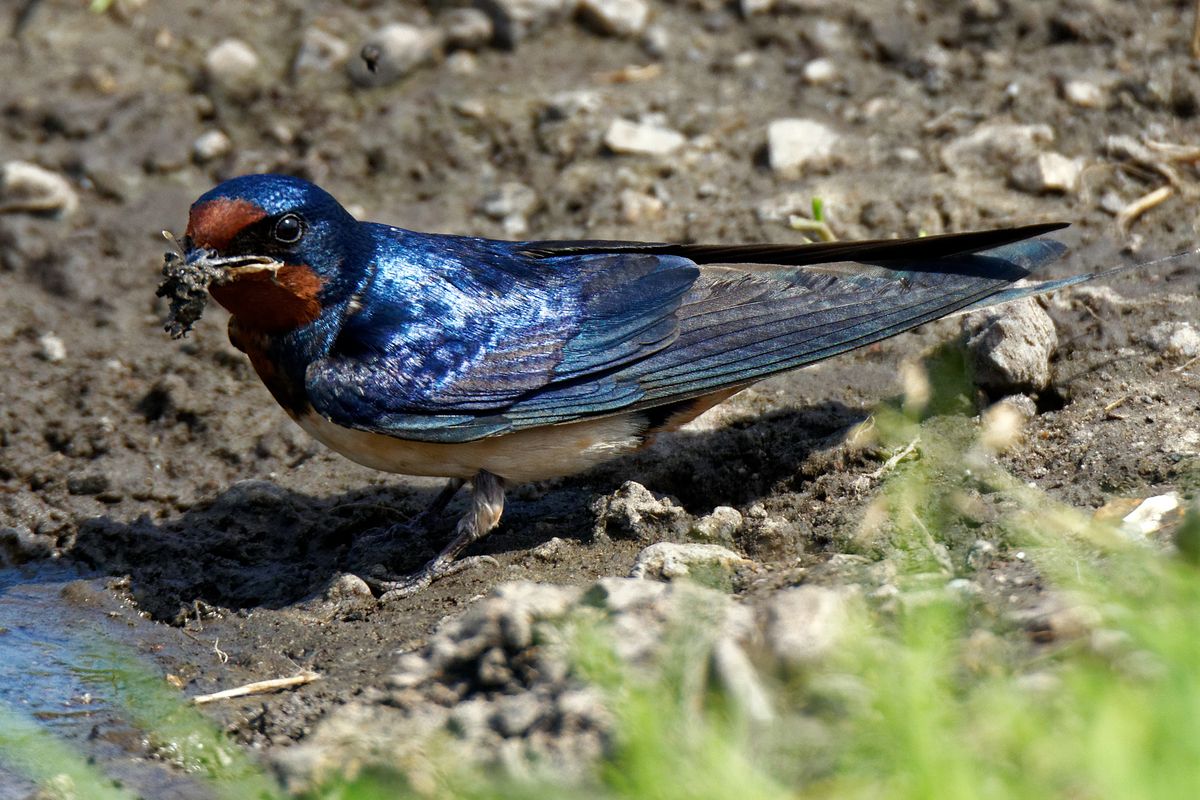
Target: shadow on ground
<point x="259" y="545"/>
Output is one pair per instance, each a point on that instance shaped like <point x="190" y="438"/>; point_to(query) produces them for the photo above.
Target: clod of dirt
<point x="186" y="287"/>
<point x="1010" y="346"/>
<point x="667" y="561"/>
<point x="632" y="512"/>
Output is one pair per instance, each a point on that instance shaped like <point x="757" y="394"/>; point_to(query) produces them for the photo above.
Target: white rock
<point x="638" y="207"/>
<point x="1173" y="338"/>
<point x="211" y="145"/>
<point x="512" y="197"/>
<point x="719" y="526"/>
<point x="819" y="70"/>
<point x="625" y="18"/>
<point x="395" y="51"/>
<point x="233" y="67"/>
<point x="1084" y="94"/>
<point x="751" y="7"/>
<point x="466" y="28"/>
<point x="804" y="624"/>
<point x="796" y="144"/>
<point x="1010" y="346"/>
<point x="668" y="561"/>
<point x="51" y="348"/>
<point x="1148" y="517"/>
<point x="996" y="147"/>
<point x="1049" y="172"/>
<point x="30" y="188"/>
<point x="634" y="138"/>
<point x="320" y="52"/>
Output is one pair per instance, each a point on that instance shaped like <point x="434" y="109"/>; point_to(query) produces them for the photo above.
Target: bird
<point x="503" y="362"/>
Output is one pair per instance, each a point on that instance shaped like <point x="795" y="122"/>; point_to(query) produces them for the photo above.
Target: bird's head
<point x="279" y="249"/>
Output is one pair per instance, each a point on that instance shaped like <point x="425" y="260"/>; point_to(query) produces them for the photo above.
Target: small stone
<point x="656" y="41"/>
<point x="719" y="526"/>
<point x="515" y="714"/>
<point x="347" y="587"/>
<point x="320" y="53"/>
<point x="996" y="147"/>
<point x="211" y="145"/>
<point x="1084" y="94"/>
<point x="1173" y="339"/>
<point x="394" y="51"/>
<point x="819" y="71"/>
<point x="514" y="20"/>
<point x="638" y="207"/>
<point x="793" y="145"/>
<point x="981" y="554"/>
<point x="805" y="623"/>
<point x="633" y="512"/>
<point x="1049" y="172"/>
<point x="466" y="28"/>
<point x="511" y="203"/>
<point x="624" y="18"/>
<point x="750" y="8"/>
<point x="51" y="348"/>
<point x="233" y="67"/>
<point x="26" y="187"/>
<point x="668" y="561"/>
<point x="1010" y="346"/>
<point x="549" y="550"/>
<point x="633" y="138"/>
<point x="1150" y="516"/>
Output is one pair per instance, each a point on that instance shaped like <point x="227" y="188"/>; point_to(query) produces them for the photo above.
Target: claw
<point x="487" y="504"/>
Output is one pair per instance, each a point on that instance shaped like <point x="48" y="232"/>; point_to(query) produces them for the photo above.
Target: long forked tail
<point x="1046" y="287"/>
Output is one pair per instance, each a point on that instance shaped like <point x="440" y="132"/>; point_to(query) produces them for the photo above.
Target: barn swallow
<point x="501" y="362"/>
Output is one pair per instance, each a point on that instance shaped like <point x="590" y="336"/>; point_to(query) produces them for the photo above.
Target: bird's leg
<point x="487" y="504"/>
<point x="386" y="538"/>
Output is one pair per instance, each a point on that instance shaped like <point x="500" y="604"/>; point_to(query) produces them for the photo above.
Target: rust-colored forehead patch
<point x="213" y="225"/>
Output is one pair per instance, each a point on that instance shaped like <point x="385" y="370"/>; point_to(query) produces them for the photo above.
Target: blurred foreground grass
<point x="932" y="694"/>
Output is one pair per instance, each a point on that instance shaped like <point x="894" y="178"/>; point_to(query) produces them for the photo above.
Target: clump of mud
<point x="185" y="285"/>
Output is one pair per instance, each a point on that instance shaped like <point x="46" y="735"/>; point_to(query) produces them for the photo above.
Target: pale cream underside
<point x="529" y="455"/>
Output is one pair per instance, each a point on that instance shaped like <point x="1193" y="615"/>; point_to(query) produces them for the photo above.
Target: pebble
<point x="1049" y="172"/>
<point x="394" y="51"/>
<point x="51" y="348"/>
<point x="793" y="145"/>
<point x="633" y="512"/>
<point x="634" y="138"/>
<point x="981" y="554"/>
<point x="623" y="18"/>
<point x="512" y="203"/>
<point x="719" y="526"/>
<point x="638" y="207"/>
<point x="347" y="587"/>
<point x="1084" y="94"/>
<point x="233" y="67"/>
<point x="466" y="28"/>
<point x="320" y="53"/>
<point x="1173" y="339"/>
<point x="26" y="187"/>
<point x="804" y="624"/>
<point x="515" y="20"/>
<point x="819" y="71"/>
<point x="1010" y="346"/>
<point x="211" y="145"/>
<point x="995" y="146"/>
<point x="1150" y="516"/>
<point x="668" y="561"/>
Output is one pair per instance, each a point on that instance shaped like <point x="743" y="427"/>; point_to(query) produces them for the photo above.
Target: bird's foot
<point x="393" y="587"/>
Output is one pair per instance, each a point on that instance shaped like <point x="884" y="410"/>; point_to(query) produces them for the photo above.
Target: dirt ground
<point x="165" y="473"/>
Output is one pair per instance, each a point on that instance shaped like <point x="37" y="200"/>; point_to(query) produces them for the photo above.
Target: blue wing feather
<point x="473" y="338"/>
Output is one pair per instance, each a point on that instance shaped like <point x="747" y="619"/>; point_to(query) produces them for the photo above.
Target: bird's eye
<point x="288" y="229"/>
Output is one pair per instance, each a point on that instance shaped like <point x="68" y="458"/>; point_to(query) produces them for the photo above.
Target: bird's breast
<point x="534" y="454"/>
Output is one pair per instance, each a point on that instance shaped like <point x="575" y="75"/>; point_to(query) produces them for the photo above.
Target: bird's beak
<point x="223" y="269"/>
